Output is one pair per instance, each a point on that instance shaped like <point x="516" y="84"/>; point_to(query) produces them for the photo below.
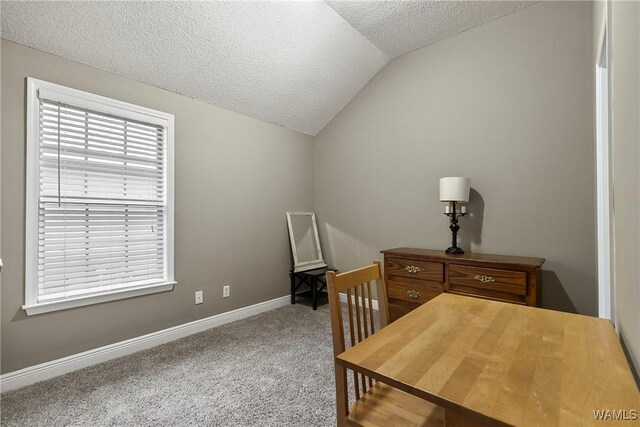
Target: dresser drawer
<point x="488" y="279"/>
<point x="414" y="269"/>
<point x="413" y="293"/>
<point x="487" y="294"/>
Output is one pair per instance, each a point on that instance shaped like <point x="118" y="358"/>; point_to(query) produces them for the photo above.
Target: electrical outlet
<point x="226" y="291"/>
<point x="199" y="297"/>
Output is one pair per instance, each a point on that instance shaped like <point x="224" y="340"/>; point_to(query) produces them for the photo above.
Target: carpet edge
<point x="47" y="370"/>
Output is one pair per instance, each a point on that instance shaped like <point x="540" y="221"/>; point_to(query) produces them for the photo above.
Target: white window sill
<point x="46" y="307"/>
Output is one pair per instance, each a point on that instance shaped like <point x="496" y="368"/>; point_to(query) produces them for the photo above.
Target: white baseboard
<point x="343" y="299"/>
<point x="54" y="368"/>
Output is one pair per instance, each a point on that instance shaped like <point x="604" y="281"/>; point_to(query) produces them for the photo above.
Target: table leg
<point x="293" y="286"/>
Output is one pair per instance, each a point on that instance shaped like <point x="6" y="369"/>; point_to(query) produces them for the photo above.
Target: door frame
<point x="604" y="190"/>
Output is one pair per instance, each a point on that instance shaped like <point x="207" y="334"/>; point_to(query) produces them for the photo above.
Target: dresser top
<point x="439" y="255"/>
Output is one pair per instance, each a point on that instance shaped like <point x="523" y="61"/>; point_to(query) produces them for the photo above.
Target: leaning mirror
<point x="305" y="244"/>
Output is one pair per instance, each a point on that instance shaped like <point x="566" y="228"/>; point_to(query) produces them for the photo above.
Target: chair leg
<point x="314" y="292"/>
<point x="342" y="404"/>
<point x="293" y="286"/>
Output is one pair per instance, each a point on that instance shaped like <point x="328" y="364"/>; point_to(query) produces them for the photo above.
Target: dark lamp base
<point x="454" y="250"/>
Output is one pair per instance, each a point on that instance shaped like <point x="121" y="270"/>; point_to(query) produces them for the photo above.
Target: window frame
<point x="108" y="106"/>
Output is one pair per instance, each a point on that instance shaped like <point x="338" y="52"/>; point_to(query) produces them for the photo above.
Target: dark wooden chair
<point x="314" y="279"/>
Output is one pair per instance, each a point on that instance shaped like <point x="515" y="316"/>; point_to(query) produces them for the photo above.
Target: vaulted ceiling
<point x="291" y="63"/>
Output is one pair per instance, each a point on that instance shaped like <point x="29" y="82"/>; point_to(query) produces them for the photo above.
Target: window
<point x="99" y="210"/>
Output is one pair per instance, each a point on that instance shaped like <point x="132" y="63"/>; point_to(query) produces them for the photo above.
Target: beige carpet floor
<point x="273" y="369"/>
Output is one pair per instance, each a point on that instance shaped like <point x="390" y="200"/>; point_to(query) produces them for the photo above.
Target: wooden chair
<point x="376" y="404"/>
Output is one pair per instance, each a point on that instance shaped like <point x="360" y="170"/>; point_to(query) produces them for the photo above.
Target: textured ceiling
<point x="294" y="63"/>
<point x="398" y="27"/>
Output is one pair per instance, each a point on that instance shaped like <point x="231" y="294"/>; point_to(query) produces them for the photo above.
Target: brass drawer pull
<point x="412" y="269"/>
<point x="413" y="294"/>
<point x="484" y="278"/>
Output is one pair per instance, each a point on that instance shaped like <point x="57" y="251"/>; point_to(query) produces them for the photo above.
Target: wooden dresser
<point x="414" y="276"/>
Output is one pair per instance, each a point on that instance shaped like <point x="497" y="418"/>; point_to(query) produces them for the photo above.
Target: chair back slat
<point x="356" y="285"/>
<point x="366" y="311"/>
<point x="369" y="328"/>
<point x="357" y="309"/>
<point x="358" y="379"/>
<point x="352" y="334"/>
<point x="373" y="329"/>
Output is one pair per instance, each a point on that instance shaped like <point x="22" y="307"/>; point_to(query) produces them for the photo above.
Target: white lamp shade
<point x="454" y="189"/>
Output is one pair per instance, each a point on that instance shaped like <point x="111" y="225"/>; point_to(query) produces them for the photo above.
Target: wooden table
<point x="491" y="363"/>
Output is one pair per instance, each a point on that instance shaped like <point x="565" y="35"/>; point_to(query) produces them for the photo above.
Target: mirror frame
<point x="307" y="265"/>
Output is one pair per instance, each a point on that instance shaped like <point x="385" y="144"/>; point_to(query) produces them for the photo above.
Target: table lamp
<point x="454" y="191"/>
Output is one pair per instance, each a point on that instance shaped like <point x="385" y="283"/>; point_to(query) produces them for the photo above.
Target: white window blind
<point x="102" y="201"/>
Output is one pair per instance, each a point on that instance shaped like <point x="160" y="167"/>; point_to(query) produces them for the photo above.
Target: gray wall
<point x="625" y="129"/>
<point x="235" y="179"/>
<point x="509" y="104"/>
